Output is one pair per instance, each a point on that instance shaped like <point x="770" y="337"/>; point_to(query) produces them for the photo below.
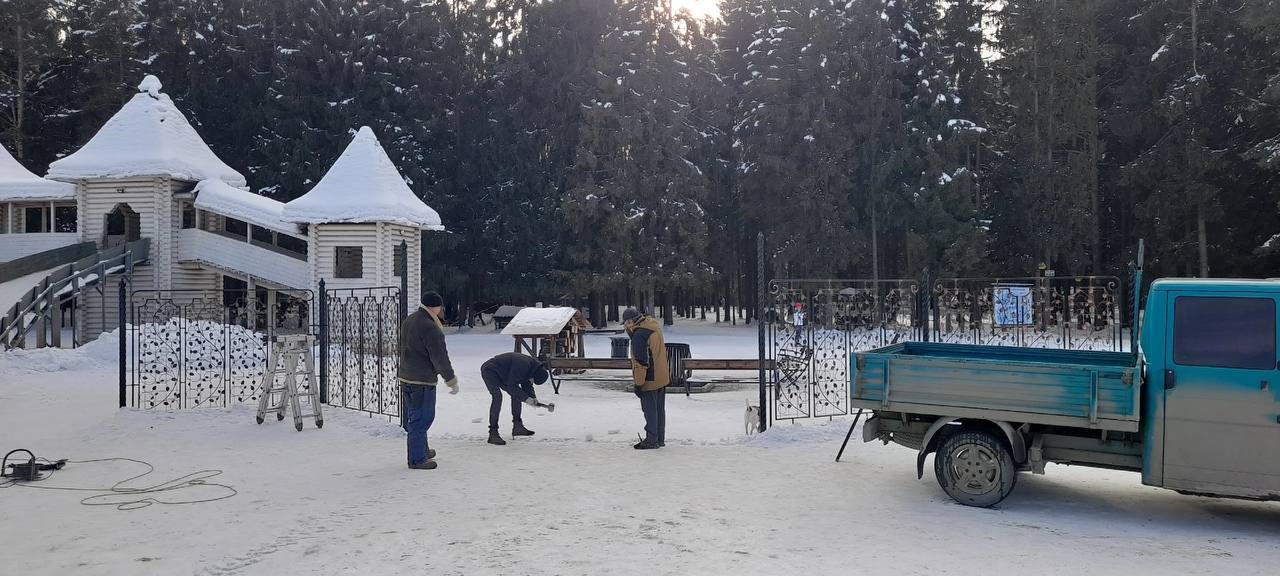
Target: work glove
<point x="452" y="383"/>
<point x="531" y="401"/>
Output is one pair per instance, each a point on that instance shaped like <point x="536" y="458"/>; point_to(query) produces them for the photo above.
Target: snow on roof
<point x="18" y="183"/>
<point x="539" y="321"/>
<point x="218" y="196"/>
<point x="362" y="186"/>
<point x="147" y="137"/>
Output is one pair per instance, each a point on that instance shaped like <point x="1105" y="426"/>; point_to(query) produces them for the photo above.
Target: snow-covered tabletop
<point x="539" y="321"/>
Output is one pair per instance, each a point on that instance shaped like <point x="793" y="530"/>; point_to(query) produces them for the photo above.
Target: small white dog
<point x="751" y="420"/>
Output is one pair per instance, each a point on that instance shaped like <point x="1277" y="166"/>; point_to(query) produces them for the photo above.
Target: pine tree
<point x="633" y="209"/>
<point x="1045" y="202"/>
<point x="28" y="46"/>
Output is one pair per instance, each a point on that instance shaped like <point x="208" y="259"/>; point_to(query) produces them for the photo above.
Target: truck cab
<point x="1211" y="401"/>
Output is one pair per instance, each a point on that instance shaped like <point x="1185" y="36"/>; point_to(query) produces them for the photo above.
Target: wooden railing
<point x="39" y="305"/>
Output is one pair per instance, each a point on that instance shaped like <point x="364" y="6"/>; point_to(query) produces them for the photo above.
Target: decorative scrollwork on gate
<point x="363" y="353"/>
<point x="813" y="326"/>
<point x="207" y="348"/>
<point x="1077" y="313"/>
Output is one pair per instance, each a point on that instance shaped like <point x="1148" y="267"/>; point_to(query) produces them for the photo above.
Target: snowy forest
<point x="595" y="148"/>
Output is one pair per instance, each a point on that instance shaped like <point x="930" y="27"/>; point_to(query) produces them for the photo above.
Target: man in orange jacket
<point x="650" y="373"/>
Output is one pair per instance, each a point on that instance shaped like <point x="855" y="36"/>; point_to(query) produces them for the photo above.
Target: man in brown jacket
<point x="650" y="373"/>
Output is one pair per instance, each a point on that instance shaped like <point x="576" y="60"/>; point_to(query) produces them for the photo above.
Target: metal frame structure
<point x="811" y="327"/>
<point x="202" y="348"/>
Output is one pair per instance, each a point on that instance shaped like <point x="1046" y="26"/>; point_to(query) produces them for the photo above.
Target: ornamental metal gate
<point x="360" y="349"/>
<point x="814" y="326"/>
<point x="208" y="348"/>
<point x="202" y="348"/>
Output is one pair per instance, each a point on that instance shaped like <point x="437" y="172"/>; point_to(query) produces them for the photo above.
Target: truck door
<point x="1222" y="395"/>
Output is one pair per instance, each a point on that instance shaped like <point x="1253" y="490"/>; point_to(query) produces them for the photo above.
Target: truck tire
<point x="975" y="468"/>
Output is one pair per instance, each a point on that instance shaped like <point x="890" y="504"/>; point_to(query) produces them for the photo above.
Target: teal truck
<point x="1196" y="407"/>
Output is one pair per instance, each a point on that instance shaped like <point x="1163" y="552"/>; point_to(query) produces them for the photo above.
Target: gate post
<point x="122" y="334"/>
<point x="761" y="318"/>
<point x="324" y="344"/>
<point x="404" y="279"/>
<point x="924" y="305"/>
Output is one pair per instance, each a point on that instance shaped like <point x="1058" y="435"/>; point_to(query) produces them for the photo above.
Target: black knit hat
<point x="541" y="374"/>
<point x="431" y="300"/>
<point x="630" y="314"/>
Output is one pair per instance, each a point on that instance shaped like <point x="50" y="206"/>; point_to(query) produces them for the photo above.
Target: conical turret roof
<point x="18" y="183"/>
<point x="362" y="186"/>
<point x="147" y="137"/>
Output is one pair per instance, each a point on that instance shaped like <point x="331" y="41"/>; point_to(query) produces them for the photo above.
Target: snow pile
<point x="18" y="183"/>
<point x="539" y="321"/>
<point x="147" y="137"/>
<point x="362" y="186"/>
<point x="218" y="196"/>
<point x="101" y="354"/>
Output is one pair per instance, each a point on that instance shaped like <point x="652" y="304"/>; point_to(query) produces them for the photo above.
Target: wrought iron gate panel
<point x="813" y="326"/>
<point x="1076" y="313"/>
<point x="363" y="349"/>
<point x="206" y="348"/>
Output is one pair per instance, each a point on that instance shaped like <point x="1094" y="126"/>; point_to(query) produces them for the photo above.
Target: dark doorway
<point x="123" y="225"/>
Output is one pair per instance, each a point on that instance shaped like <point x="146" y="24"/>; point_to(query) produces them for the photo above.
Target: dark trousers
<point x="654" y="405"/>
<point x="420" y="412"/>
<point x="493" y="383"/>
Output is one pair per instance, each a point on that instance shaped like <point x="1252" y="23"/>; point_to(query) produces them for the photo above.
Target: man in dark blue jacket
<point x="515" y="374"/>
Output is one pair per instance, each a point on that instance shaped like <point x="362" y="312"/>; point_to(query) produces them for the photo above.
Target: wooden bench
<point x="682" y="364"/>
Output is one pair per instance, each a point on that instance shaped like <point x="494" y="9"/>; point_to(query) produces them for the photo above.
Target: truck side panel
<point x="1104" y="397"/>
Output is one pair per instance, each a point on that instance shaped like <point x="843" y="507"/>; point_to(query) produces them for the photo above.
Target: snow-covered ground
<point x="574" y="499"/>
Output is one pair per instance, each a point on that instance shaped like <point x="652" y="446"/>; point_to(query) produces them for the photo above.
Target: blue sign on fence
<point x="1012" y="305"/>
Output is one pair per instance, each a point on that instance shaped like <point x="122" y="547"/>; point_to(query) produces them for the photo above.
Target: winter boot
<point x="428" y="465"/>
<point x="519" y="430"/>
<point x="431" y="454"/>
<point x="496" y="439"/>
<point x="646" y="445"/>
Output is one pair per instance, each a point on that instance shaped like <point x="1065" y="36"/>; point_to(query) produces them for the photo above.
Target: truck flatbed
<point x="1073" y="388"/>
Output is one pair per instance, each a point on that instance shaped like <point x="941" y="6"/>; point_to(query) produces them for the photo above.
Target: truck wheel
<point x="975" y="468"/>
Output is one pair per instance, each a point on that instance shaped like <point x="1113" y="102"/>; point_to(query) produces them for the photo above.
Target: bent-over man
<point x="516" y="375"/>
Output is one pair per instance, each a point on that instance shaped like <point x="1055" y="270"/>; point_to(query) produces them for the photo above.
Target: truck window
<point x="1224" y="332"/>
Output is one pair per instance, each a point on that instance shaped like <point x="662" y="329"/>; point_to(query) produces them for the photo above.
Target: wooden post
<point x="271" y="312"/>
<point x="41" y="326"/>
<point x="251" y="302"/>
<point x="55" y="325"/>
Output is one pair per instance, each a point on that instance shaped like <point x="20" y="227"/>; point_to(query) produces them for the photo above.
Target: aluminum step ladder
<point x="286" y="354"/>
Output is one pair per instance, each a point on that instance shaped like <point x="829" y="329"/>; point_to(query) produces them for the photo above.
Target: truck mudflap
<point x="871" y="429"/>
<point x="1017" y="444"/>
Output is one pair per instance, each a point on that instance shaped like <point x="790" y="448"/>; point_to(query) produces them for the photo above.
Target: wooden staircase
<point x="40" y="306"/>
